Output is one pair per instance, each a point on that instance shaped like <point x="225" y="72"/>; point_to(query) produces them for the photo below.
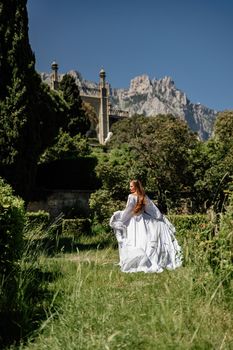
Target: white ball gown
<point x="146" y="241"/>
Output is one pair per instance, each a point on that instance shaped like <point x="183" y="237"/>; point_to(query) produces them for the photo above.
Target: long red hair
<point x="140" y="196"/>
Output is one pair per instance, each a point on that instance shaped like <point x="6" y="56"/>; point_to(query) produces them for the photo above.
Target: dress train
<point x="146" y="241"/>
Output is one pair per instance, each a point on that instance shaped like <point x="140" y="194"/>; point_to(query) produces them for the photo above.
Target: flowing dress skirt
<point x="146" y="244"/>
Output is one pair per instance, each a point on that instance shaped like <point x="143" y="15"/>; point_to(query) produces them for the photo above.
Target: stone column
<point x="103" y="114"/>
<point x="54" y="76"/>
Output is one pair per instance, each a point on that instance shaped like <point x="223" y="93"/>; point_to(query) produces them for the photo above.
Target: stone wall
<point x="60" y="200"/>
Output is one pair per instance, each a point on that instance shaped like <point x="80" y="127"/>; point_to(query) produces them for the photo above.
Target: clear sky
<point x="189" y="40"/>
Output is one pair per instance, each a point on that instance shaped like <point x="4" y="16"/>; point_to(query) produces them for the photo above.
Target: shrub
<point x="76" y="210"/>
<point x="216" y="241"/>
<point x="75" y="227"/>
<point x="187" y="222"/>
<point x="102" y="207"/>
<point x="221" y="257"/>
<point x="40" y="218"/>
<point x="12" y="219"/>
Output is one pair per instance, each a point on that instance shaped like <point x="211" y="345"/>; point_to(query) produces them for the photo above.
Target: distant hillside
<point x="152" y="97"/>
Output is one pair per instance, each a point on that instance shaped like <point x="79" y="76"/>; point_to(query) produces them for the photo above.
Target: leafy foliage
<point x="221" y="255"/>
<point x="36" y="218"/>
<point x="223" y="128"/>
<point x="66" y="147"/>
<point x="78" y="121"/>
<point x="161" y="147"/>
<point x="115" y="168"/>
<point x="185" y="222"/>
<point x="102" y="206"/>
<point x="12" y="219"/>
<point x="212" y="164"/>
<point x="76" y="227"/>
<point x="70" y="142"/>
<point x="30" y="115"/>
<point x="173" y="164"/>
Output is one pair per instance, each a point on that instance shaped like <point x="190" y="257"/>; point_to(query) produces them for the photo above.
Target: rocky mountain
<point x="152" y="97"/>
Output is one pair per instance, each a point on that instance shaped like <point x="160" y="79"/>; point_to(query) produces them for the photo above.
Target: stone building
<point x="99" y="100"/>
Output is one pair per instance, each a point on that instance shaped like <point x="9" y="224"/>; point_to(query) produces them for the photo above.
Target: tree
<point x="161" y="146"/>
<point x="115" y="169"/>
<point x="66" y="147"/>
<point x="78" y="121"/>
<point x="30" y="115"/>
<point x="217" y="168"/>
<point x="223" y="128"/>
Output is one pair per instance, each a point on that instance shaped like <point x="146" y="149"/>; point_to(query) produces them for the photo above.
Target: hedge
<point x="40" y="218"/>
<point x="76" y="227"/>
<point x="12" y="219"/>
<point x="187" y="222"/>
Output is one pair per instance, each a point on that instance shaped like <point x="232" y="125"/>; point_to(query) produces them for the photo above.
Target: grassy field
<point x="95" y="306"/>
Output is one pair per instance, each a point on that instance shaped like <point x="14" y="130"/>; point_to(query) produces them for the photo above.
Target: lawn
<point x="95" y="306"/>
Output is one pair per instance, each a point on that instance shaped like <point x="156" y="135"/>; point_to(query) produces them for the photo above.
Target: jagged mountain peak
<point x="140" y="84"/>
<point x="151" y="97"/>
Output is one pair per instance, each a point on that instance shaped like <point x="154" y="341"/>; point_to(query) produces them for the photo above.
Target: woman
<point x="145" y="237"/>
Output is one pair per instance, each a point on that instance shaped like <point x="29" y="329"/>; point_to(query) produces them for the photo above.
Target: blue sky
<point x="189" y="40"/>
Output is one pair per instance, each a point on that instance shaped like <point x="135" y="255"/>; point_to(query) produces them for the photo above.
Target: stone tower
<point x="54" y="76"/>
<point x="103" y="111"/>
<point x="99" y="100"/>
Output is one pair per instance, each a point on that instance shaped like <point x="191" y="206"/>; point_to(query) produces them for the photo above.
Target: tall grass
<point x="101" y="308"/>
<point x="30" y="277"/>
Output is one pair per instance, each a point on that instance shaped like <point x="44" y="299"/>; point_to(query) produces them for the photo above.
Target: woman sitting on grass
<point x="146" y="238"/>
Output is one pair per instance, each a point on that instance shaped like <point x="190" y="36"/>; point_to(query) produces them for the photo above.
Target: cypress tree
<point x="78" y="121"/>
<point x="30" y="115"/>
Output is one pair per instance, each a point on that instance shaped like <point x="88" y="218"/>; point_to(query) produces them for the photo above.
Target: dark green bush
<point x="221" y="254"/>
<point x="76" y="227"/>
<point x="40" y="218"/>
<point x="102" y="207"/>
<point x="12" y="219"/>
<point x="76" y="210"/>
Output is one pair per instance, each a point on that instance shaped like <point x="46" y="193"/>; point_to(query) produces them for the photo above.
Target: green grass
<point x="95" y="306"/>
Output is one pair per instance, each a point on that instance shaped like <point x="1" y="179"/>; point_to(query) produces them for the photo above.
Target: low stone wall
<point x="58" y="200"/>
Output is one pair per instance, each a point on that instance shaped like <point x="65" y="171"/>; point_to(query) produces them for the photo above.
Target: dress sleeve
<point x="152" y="210"/>
<point x="127" y="213"/>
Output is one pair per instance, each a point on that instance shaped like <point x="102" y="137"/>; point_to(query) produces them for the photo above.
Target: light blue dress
<point x="146" y="241"/>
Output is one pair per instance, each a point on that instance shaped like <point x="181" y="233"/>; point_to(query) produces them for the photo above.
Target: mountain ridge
<point x="151" y="97"/>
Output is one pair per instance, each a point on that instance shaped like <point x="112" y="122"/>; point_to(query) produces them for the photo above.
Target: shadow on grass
<point x="22" y="314"/>
<point x="53" y="246"/>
